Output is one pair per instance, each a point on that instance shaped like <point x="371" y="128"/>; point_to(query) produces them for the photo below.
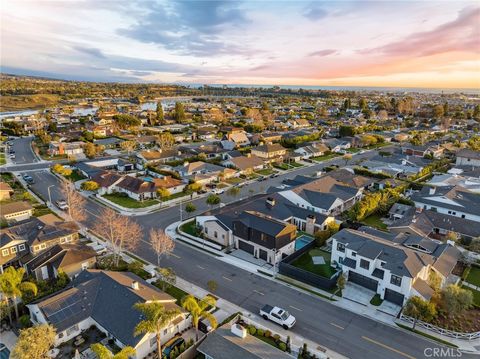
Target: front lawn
<point x="75" y="176"/>
<point x="305" y="262"/>
<point x="125" y="201"/>
<point x="295" y="164"/>
<point x="174" y="196"/>
<point x="281" y="166"/>
<point x="375" y="221"/>
<point x="2" y="159"/>
<point x="476" y="295"/>
<point x="172" y="290"/>
<point x="265" y="172"/>
<point x="474" y="276"/>
<point x="234" y="180"/>
<point x="190" y="228"/>
<point x="353" y="150"/>
<point x="325" y="157"/>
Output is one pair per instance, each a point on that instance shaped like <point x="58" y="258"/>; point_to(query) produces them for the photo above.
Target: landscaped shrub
<point x="267" y="334"/>
<point x="260" y="332"/>
<point x="25" y="321"/>
<point x="252" y="330"/>
<point x="282" y="346"/>
<point x="276" y="337"/>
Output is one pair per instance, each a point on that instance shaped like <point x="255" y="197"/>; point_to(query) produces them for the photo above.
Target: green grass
<point x="268" y="340"/>
<point x="476" y="295"/>
<point x="75" y="176"/>
<point x="137" y="258"/>
<point x="2" y="159"/>
<point x="282" y="166"/>
<point x="474" y="276"/>
<point x="174" y="196"/>
<point x="353" y="150"/>
<point x="426" y="335"/>
<point x="172" y="290"/>
<point x="234" y="180"/>
<point x="325" y="157"/>
<point x="190" y="228"/>
<point x="128" y="202"/>
<point x="265" y="172"/>
<point x="41" y="211"/>
<point x="305" y="262"/>
<point x="376" y="300"/>
<point x="375" y="221"/>
<point x="295" y="164"/>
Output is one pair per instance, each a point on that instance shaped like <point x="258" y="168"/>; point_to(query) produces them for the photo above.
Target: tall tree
<point x="167" y="277"/>
<point x="420" y="309"/>
<point x="75" y="201"/>
<point x="160" y="114"/>
<point x="179" y="112"/>
<point x="34" y="342"/>
<point x="213" y="199"/>
<point x="128" y="146"/>
<point x="121" y="232"/>
<point x="165" y="140"/>
<point x="455" y="299"/>
<point x="13" y="287"/>
<point x="157" y="318"/>
<point x="198" y="308"/>
<point x="102" y="352"/>
<point x="162" y="244"/>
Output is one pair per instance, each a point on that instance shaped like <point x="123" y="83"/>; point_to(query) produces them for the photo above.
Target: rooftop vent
<point x="135" y="285"/>
<point x="270" y="202"/>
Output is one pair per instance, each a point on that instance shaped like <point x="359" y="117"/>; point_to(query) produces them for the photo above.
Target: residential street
<point x="345" y="332"/>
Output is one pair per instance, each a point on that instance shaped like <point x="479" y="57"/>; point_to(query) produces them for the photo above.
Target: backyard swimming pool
<point x="302" y="241"/>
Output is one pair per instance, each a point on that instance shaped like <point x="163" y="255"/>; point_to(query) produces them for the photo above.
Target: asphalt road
<point x="318" y="320"/>
<point x="23" y="151"/>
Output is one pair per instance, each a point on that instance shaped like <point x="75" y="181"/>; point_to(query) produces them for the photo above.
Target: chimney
<point x="432" y="190"/>
<point x="270" y="202"/>
<point x="239" y="331"/>
<point x="135" y="285"/>
<point x="310" y="225"/>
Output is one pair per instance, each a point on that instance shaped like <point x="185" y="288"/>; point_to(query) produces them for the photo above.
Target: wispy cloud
<point x="322" y="53"/>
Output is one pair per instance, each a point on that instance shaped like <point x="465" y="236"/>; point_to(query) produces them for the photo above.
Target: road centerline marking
<point x="199" y="266"/>
<point x="388" y="347"/>
<point x="256" y="291"/>
<point x="291" y="306"/>
<point x="337" y="326"/>
<point x="227" y="278"/>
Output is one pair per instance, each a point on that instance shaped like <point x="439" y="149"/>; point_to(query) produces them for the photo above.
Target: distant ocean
<point x="348" y="88"/>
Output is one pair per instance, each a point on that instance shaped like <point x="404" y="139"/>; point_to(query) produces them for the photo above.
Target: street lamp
<point x="49" y="195"/>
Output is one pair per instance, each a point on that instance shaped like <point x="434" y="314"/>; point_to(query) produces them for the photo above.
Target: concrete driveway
<point x="389" y="308"/>
<point x="357" y="293"/>
<point x="9" y="339"/>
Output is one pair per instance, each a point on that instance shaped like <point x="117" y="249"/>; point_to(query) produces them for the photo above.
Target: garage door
<point x="246" y="247"/>
<point x="362" y="280"/>
<point x="394" y="297"/>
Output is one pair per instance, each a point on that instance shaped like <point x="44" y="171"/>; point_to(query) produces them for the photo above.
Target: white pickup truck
<point x="278" y="315"/>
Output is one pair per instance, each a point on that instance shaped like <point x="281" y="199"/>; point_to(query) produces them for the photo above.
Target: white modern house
<point x="466" y="157"/>
<point x="395" y="266"/>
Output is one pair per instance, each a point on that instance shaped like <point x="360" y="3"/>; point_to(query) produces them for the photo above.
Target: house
<point x="16" y="211"/>
<point x="395" y="266"/>
<point x="314" y="150"/>
<point x="233" y="342"/>
<point x="263" y="236"/>
<point x="245" y="164"/>
<point x="298" y="123"/>
<point x="56" y="148"/>
<point x="435" y="225"/>
<point x="337" y="145"/>
<point x="399" y="211"/>
<point x="161" y="156"/>
<point x="88" y="301"/>
<point x="5" y="191"/>
<point x="70" y="259"/>
<point x="270" y="152"/>
<point x="452" y="200"/>
<point x="422" y="151"/>
<point x="136" y="188"/>
<point x="173" y="185"/>
<point x="238" y="137"/>
<point x="466" y="157"/>
<point x="199" y="168"/>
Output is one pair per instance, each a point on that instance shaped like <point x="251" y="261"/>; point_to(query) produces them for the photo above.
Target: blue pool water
<point x="302" y="241"/>
<point x="148" y="179"/>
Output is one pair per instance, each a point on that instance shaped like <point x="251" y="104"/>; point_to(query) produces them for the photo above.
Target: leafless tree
<point x="119" y="231"/>
<point x="75" y="201"/>
<point x="162" y="244"/>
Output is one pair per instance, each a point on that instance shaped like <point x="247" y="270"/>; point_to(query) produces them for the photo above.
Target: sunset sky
<point x="341" y="43"/>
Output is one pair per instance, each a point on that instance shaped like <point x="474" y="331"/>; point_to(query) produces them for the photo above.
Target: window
<point x="463" y="216"/>
<point x="165" y="331"/>
<point x="153" y="341"/>
<point x="62" y="240"/>
<point x="215" y="234"/>
<point x="13" y="250"/>
<point x="354" y="254"/>
<point x="364" y="264"/>
<point x="5" y="252"/>
<point x="340" y="260"/>
<point x="21" y="247"/>
<point x="396" y="280"/>
<point x="206" y="230"/>
<point x="36" y="248"/>
<point x="340" y="247"/>
<point x="43" y="246"/>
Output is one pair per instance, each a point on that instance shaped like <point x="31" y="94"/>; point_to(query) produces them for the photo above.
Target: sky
<point x="432" y="44"/>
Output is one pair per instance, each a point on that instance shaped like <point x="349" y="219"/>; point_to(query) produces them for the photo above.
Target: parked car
<point x="218" y="191"/>
<point x="12" y="156"/>
<point x="173" y="343"/>
<point x="263" y="178"/>
<point x="278" y="315"/>
<point x="62" y="204"/>
<point x="28" y="179"/>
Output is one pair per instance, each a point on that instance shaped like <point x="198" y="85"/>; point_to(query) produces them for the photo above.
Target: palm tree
<point x="102" y="352"/>
<point x="156" y="319"/>
<point x="12" y="287"/>
<point x="198" y="309"/>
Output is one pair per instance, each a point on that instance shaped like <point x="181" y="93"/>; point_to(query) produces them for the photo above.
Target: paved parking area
<point x="389" y="308"/>
<point x="357" y="293"/>
<point x="9" y="339"/>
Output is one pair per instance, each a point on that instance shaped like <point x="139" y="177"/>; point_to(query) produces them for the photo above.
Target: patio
<point x="82" y="343"/>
